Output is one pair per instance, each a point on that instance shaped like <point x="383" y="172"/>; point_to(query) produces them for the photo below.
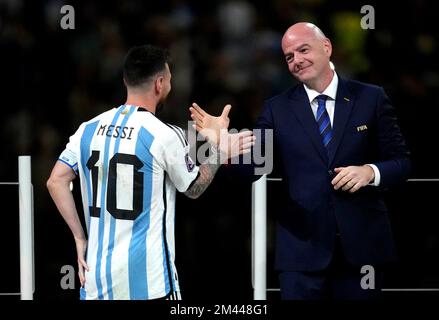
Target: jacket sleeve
<point x="395" y="165"/>
<point x="260" y="160"/>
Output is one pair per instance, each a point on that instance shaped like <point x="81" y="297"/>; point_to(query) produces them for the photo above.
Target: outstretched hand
<point x="235" y="144"/>
<point x="208" y="126"/>
<point x="215" y="131"/>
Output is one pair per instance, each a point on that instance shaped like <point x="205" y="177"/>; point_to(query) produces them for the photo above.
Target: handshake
<point x="215" y="131"/>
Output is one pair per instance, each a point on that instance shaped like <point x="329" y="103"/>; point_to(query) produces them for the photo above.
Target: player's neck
<point x="142" y="101"/>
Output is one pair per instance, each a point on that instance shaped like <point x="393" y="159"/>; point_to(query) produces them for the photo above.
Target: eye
<point x="304" y="50"/>
<point x="289" y="58"/>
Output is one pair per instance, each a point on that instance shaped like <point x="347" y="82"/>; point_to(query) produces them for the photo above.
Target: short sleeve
<point x="176" y="160"/>
<point x="70" y="155"/>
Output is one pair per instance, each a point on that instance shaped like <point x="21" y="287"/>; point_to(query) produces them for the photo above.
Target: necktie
<point x="323" y="121"/>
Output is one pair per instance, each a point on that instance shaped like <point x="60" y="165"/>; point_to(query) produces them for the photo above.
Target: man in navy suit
<point x="339" y="147"/>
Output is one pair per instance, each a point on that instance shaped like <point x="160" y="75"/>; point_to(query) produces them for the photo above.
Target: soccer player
<point x="130" y="164"/>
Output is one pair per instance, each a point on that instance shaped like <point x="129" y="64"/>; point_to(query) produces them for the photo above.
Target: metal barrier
<point x="259" y="236"/>
<point x="25" y="196"/>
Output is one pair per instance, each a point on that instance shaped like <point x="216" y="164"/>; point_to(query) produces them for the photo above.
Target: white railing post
<point x="26" y="228"/>
<point x="259" y="238"/>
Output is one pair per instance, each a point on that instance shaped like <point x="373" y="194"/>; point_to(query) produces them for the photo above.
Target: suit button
<point x="331" y="173"/>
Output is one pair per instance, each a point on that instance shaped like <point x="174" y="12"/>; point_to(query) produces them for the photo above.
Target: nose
<point x="298" y="58"/>
<point x="297" y="66"/>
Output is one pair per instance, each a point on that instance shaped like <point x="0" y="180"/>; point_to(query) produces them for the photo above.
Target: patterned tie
<point x="323" y="120"/>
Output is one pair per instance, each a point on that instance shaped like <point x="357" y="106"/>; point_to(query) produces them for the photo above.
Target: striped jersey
<point x="130" y="165"/>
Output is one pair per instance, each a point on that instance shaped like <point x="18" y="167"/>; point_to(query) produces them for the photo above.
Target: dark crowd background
<point x="222" y="52"/>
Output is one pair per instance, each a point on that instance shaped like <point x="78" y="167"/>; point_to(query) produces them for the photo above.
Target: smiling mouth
<point x="300" y="69"/>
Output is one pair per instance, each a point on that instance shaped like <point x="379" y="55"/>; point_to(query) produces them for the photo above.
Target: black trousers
<point x="339" y="281"/>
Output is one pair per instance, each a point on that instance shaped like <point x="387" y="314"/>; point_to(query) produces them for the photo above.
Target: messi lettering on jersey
<point x="110" y="130"/>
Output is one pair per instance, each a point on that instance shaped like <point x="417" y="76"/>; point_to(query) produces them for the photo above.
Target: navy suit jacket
<point x="365" y="131"/>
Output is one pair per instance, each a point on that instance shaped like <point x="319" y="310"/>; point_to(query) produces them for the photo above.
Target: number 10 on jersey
<point x="111" y="195"/>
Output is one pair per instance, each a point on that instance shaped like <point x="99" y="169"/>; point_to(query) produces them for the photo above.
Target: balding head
<point x="302" y="29"/>
<point x="307" y="52"/>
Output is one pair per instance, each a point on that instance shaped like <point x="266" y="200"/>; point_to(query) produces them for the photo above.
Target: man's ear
<point x="327" y="46"/>
<point x="158" y="84"/>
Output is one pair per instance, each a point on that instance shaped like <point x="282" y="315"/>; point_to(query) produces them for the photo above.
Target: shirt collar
<point x="330" y="91"/>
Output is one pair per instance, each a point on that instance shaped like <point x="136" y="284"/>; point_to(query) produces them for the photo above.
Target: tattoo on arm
<point x="207" y="173"/>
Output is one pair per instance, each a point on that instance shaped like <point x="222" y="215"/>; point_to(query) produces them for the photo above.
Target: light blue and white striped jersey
<point x="130" y="164"/>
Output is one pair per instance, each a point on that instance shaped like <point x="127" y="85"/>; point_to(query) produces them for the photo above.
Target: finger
<point x="244" y="134"/>
<point x="348" y="185"/>
<point x="81" y="278"/>
<point x="196" y="114"/>
<point x="198" y="109"/>
<point x="246" y="138"/>
<point x="81" y="274"/>
<point x="355" y="188"/>
<point x="197" y="118"/>
<point x="245" y="148"/>
<point x="84" y="264"/>
<point x="198" y="128"/>
<point x="80" y="281"/>
<point x="247" y="145"/>
<point x="226" y="111"/>
<point x="245" y="141"/>
<point x="342" y="182"/>
<point x="337" y="170"/>
<point x="250" y="139"/>
<point x="340" y="175"/>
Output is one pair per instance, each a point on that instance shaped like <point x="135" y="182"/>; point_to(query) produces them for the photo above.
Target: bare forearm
<point x="231" y="145"/>
<point x="207" y="173"/>
<point x="63" y="198"/>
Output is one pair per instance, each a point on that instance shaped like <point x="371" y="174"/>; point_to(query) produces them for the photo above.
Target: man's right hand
<point x="208" y="126"/>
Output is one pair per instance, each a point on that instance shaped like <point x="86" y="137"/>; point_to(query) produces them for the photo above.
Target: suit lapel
<point x="343" y="107"/>
<point x="303" y="112"/>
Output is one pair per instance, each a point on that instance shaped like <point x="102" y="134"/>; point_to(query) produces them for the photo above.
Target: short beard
<point x="160" y="106"/>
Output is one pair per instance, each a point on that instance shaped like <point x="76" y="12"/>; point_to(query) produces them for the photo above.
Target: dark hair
<point x="143" y="62"/>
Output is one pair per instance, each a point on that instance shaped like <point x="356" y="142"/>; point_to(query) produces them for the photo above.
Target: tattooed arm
<point x="206" y="174"/>
<point x="230" y="145"/>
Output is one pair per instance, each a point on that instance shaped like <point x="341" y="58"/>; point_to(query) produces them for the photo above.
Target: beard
<point x="160" y="106"/>
<point x="162" y="103"/>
